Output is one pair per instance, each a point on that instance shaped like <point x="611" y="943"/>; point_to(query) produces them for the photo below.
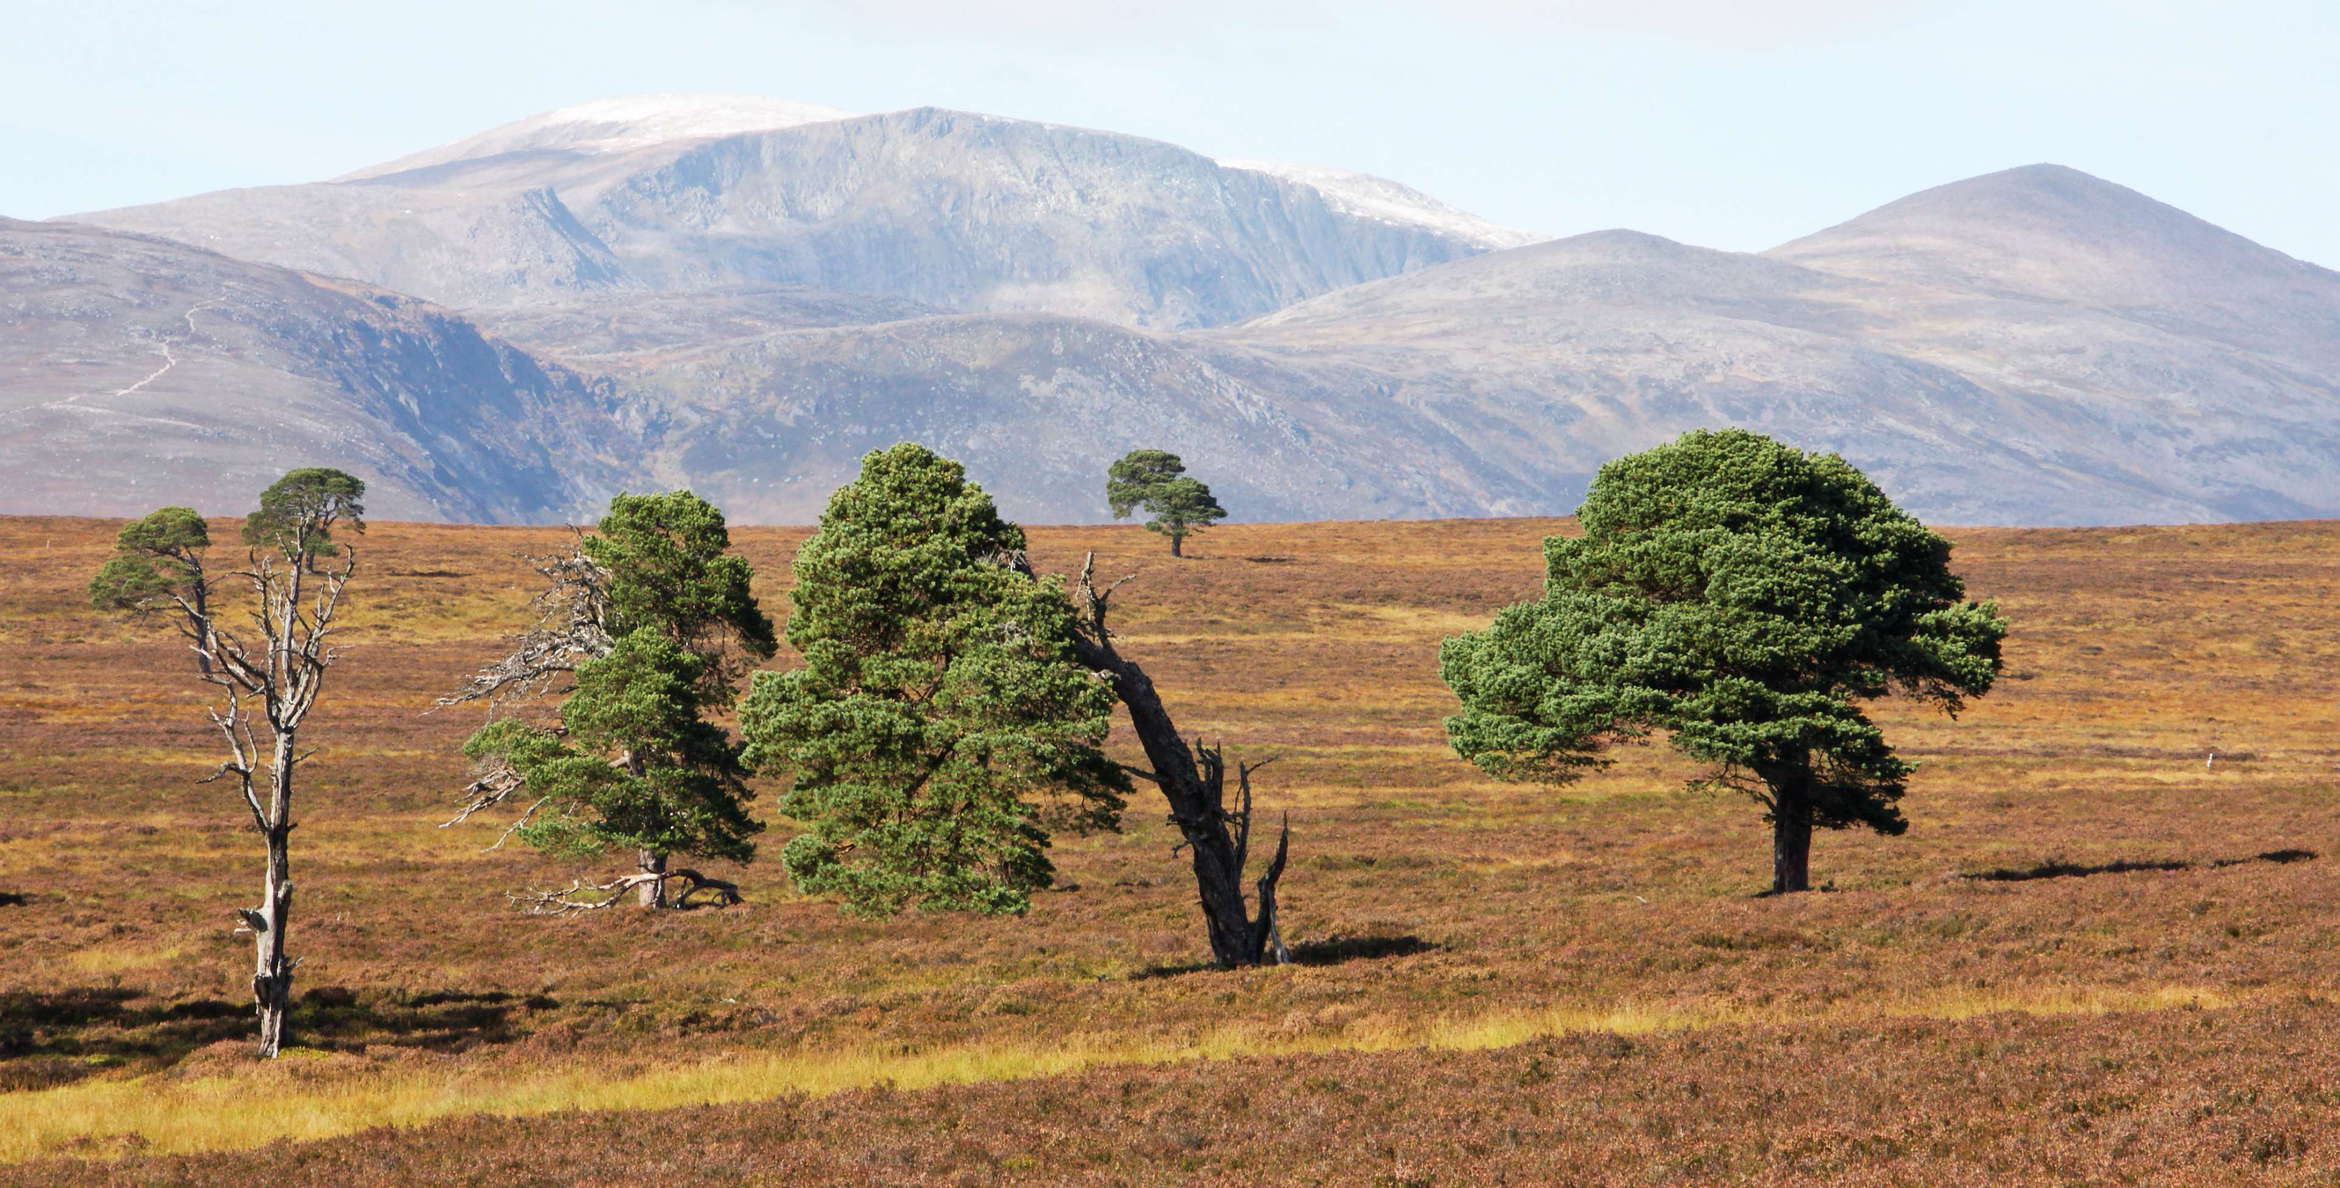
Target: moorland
<point x="2099" y="954"/>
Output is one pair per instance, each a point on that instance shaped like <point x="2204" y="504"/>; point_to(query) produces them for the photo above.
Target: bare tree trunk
<point x="272" y="971"/>
<point x="1193" y="780"/>
<point x="287" y="686"/>
<point x="1791" y="840"/>
<point x="652" y="892"/>
<point x="1177" y="544"/>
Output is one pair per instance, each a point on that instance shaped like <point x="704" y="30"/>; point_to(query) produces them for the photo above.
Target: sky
<point x="1731" y="125"/>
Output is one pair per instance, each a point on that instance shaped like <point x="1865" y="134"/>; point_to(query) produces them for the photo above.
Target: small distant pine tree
<point x="941" y="726"/>
<point x="1743" y="597"/>
<point x="1156" y="482"/>
<point x="651" y="623"/>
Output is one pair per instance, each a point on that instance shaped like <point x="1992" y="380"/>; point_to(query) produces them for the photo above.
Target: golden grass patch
<point x="314" y="1098"/>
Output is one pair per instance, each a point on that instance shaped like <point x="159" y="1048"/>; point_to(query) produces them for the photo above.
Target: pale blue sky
<point x="1734" y="125"/>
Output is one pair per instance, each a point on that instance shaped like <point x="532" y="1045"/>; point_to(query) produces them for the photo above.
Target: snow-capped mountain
<point x="975" y="213"/>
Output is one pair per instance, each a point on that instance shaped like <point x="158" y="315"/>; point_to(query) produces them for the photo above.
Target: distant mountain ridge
<point x="745" y="309"/>
<point x="978" y="213"/>
<point x="616" y="125"/>
<point x="1363" y="194"/>
<point x="141" y="372"/>
<point x="1991" y="406"/>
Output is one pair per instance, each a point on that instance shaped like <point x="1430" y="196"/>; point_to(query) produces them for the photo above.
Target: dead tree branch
<point x="581" y="896"/>
<point x="571" y="628"/>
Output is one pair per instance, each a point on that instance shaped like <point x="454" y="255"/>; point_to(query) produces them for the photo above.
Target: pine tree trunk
<point x="272" y="975"/>
<point x="272" y="969"/>
<point x="1791" y="841"/>
<point x="652" y="892"/>
<point x="1237" y="937"/>
<point x="1218" y="881"/>
<point x="1177" y="543"/>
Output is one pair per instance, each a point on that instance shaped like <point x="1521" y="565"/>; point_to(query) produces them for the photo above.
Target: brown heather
<point x="2092" y="959"/>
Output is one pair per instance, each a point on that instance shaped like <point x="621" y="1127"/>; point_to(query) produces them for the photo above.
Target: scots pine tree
<point x="1156" y="481"/>
<point x="649" y="624"/>
<point x="940" y="727"/>
<point x="1744" y="598"/>
<point x="268" y="674"/>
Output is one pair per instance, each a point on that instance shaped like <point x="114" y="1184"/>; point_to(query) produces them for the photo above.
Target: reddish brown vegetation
<point x="1418" y="891"/>
<point x="2243" y="1096"/>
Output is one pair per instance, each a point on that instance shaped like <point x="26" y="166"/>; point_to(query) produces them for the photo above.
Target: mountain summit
<point x="2052" y="233"/>
<point x="964" y="211"/>
<point x="618" y="125"/>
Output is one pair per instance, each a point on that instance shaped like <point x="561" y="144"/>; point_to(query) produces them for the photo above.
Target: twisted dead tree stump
<point x="1193" y="778"/>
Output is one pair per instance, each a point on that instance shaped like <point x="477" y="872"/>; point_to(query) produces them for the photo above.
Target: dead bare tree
<point x="268" y="680"/>
<point x="1193" y="778"/>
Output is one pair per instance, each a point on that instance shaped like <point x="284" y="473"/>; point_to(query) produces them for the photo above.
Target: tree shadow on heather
<point x="1338" y="950"/>
<point x="2056" y="868"/>
<point x="58" y="1037"/>
<point x="1334" y="950"/>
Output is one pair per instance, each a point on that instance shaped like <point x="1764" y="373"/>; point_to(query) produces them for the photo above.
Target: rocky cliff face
<point x="1037" y="406"/>
<point x="142" y="372"/>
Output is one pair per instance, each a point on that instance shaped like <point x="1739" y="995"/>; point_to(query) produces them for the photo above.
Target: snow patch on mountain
<point x="620" y="125"/>
<point x="1378" y="198"/>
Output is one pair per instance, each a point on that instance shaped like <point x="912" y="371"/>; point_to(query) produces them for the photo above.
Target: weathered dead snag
<point x="572" y="612"/>
<point x="1193" y="778"/>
